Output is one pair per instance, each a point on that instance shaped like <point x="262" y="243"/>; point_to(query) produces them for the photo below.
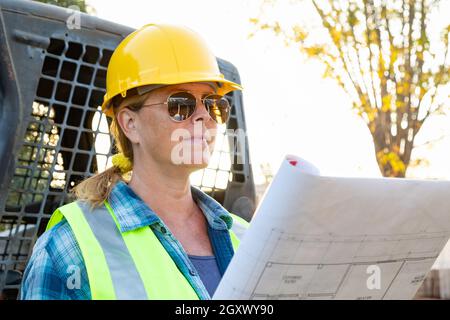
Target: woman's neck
<point x="166" y="191"/>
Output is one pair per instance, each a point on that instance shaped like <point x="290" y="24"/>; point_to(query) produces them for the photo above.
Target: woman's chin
<point x="199" y="166"/>
<point x="199" y="160"/>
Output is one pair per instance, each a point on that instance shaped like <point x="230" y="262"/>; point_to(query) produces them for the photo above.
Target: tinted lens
<point x="181" y="106"/>
<point x="218" y="107"/>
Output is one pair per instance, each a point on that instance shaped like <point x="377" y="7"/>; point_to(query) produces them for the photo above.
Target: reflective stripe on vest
<point x="117" y="263"/>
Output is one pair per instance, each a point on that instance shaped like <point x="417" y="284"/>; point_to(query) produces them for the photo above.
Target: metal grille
<point x="58" y="147"/>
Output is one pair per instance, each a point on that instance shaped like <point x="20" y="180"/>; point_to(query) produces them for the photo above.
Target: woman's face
<point x="154" y="134"/>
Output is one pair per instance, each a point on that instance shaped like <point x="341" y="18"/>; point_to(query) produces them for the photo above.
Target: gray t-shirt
<point x="208" y="271"/>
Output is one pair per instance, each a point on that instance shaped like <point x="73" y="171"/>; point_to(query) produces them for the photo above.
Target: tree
<point x="382" y="53"/>
<point x="68" y="3"/>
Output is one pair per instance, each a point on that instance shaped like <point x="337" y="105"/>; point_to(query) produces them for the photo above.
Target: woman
<point x="139" y="230"/>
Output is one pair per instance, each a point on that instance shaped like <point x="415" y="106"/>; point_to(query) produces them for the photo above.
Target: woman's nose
<point x="201" y="113"/>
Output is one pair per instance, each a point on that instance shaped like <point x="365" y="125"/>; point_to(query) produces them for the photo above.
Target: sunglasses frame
<point x="202" y="99"/>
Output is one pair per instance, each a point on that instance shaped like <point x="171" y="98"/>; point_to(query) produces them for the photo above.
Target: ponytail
<point x="97" y="188"/>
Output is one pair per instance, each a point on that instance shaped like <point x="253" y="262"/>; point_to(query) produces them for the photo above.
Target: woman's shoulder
<point x="55" y="258"/>
<point x="60" y="244"/>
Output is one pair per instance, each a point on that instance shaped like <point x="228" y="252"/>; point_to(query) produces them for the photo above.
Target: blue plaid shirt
<point x="47" y="272"/>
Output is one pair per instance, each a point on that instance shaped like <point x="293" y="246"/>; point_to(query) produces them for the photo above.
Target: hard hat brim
<point x="224" y="86"/>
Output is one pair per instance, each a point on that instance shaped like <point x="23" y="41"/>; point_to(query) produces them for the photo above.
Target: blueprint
<point x="317" y="237"/>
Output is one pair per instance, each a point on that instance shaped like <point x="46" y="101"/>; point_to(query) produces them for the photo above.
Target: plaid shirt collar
<point x="132" y="212"/>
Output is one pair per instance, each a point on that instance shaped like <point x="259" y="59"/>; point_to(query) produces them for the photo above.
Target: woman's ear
<point x="127" y="120"/>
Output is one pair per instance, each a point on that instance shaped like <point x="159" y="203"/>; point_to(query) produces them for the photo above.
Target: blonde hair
<point x="96" y="189"/>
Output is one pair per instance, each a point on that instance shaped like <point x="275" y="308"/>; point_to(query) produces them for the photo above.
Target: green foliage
<point x="67" y="3"/>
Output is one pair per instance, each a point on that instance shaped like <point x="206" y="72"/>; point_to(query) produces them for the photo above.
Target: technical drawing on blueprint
<point x="317" y="237"/>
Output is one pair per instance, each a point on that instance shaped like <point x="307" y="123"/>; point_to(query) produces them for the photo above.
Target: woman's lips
<point x="195" y="140"/>
<point x="203" y="139"/>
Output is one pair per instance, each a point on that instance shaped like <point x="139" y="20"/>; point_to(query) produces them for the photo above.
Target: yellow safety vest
<point x="118" y="264"/>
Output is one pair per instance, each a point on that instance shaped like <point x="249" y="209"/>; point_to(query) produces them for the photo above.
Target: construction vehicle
<point x="53" y="134"/>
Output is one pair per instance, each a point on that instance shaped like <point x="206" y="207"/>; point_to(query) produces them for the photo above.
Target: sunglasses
<point x="181" y="106"/>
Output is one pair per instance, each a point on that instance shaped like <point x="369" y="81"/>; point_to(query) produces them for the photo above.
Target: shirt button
<point x="192" y="272"/>
<point x="163" y="230"/>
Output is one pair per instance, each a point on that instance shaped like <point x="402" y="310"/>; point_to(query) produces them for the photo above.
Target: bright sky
<point x="289" y="108"/>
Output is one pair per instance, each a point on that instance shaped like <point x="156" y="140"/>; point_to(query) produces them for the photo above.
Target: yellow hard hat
<point x="161" y="54"/>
